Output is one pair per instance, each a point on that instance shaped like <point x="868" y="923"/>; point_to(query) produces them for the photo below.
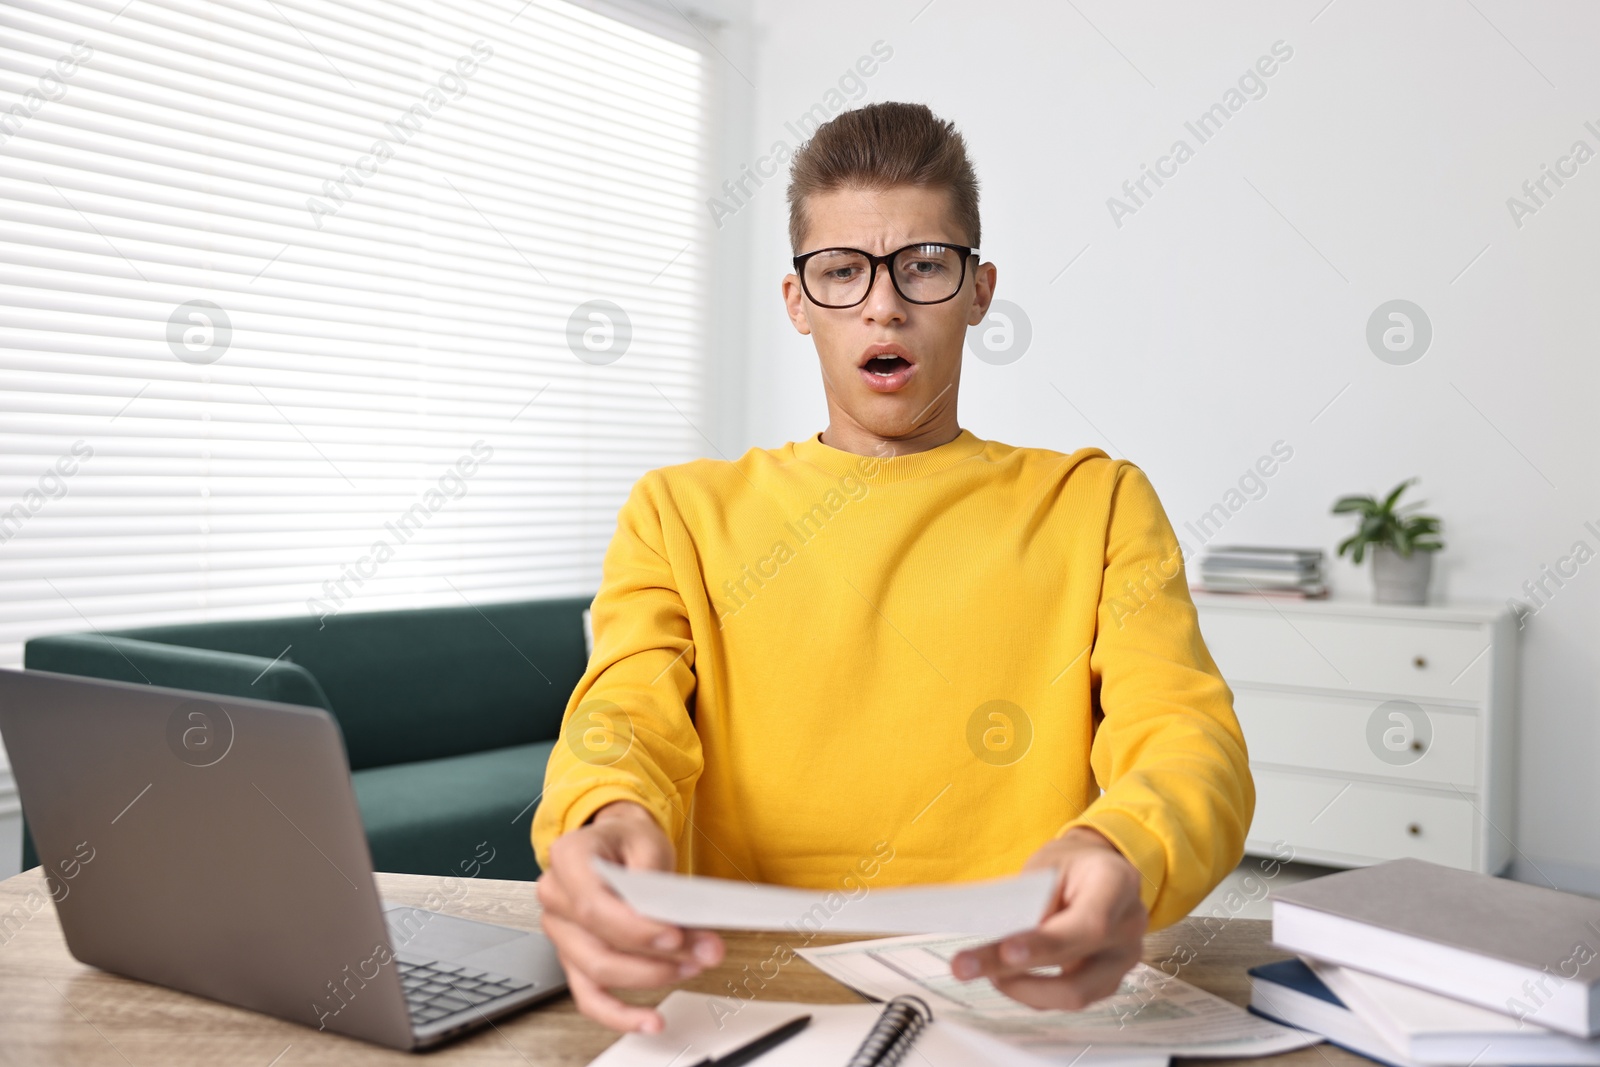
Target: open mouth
<point x="884" y="366"/>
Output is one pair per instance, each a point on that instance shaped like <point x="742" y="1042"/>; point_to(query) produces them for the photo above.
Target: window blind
<point x="333" y="305"/>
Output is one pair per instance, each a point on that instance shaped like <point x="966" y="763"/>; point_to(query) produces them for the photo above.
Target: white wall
<point x="1229" y="310"/>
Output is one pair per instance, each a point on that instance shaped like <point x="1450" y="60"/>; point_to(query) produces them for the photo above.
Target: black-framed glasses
<point x="929" y="272"/>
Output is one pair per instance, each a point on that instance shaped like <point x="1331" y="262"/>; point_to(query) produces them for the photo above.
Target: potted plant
<point x="1403" y="544"/>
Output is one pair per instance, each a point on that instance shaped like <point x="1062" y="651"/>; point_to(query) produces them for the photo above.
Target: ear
<point x="794" y="302"/>
<point x="982" y="292"/>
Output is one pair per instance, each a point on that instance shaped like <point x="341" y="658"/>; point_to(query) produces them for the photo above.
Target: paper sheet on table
<point x="699" y="1026"/>
<point x="1150" y="1011"/>
<point x="992" y="908"/>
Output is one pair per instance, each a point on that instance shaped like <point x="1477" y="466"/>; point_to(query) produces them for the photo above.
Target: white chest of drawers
<point x="1375" y="731"/>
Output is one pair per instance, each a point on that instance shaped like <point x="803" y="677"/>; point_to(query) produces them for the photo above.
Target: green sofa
<point x="448" y="714"/>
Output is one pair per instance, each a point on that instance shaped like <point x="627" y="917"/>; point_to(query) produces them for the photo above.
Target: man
<point x="893" y="653"/>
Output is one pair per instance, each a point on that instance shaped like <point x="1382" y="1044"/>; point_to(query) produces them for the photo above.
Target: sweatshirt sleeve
<point x="626" y="733"/>
<point x="1168" y="752"/>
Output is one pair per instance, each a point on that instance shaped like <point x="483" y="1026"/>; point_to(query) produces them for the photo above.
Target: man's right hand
<point x="603" y="943"/>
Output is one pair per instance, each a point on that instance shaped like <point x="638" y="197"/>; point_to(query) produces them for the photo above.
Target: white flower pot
<point x="1398" y="579"/>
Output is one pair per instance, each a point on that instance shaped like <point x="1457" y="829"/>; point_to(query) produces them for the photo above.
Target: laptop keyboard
<point x="435" y="989"/>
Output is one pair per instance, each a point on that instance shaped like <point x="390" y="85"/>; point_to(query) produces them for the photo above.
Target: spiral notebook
<point x="701" y="1026"/>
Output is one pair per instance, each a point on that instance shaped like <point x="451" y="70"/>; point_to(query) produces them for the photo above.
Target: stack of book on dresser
<point x="1413" y="963"/>
<point x="1293" y="572"/>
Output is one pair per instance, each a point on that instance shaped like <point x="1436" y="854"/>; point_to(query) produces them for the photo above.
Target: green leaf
<point x="1363" y="504"/>
<point x="1394" y="494"/>
<point x="1383" y="523"/>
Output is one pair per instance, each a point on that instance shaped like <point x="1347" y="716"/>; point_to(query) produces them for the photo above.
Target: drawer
<point x="1345" y="735"/>
<point x="1361" y="822"/>
<point x="1441" y="661"/>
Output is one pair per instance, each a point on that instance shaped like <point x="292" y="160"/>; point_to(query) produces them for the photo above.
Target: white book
<point x="1434" y="1029"/>
<point x="1519" y="949"/>
<point x="1288" y="992"/>
<point x="1262" y="579"/>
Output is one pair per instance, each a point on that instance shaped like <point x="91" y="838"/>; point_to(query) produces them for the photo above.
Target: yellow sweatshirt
<point x="829" y="670"/>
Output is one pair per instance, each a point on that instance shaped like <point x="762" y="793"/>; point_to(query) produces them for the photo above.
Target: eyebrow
<point x="896" y="248"/>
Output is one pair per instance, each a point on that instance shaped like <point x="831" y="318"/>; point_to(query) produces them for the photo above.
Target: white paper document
<point x="991" y="908"/>
<point x="1151" y="1012"/>
<point x="699" y="1026"/>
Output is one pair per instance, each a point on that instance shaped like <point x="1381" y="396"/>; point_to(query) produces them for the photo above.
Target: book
<point x="1266" y="557"/>
<point x="1519" y="949"/>
<point x="1293" y="572"/>
<point x="1433" y="1029"/>
<point x="1248" y="578"/>
<point x="1288" y="992"/>
<point x="1307" y="592"/>
<point x="1268" y="550"/>
<point x="1255" y="563"/>
<point x="1265" y="574"/>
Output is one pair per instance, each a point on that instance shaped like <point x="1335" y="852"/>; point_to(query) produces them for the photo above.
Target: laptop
<point x="213" y="845"/>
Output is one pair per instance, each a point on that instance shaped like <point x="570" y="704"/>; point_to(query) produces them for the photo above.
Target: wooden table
<point x="55" y="1010"/>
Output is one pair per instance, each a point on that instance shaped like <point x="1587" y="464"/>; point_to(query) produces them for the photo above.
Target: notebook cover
<point x="1295" y="975"/>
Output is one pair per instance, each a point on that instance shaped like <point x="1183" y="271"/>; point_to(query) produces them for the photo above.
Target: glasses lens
<point x="837" y="276"/>
<point x="928" y="273"/>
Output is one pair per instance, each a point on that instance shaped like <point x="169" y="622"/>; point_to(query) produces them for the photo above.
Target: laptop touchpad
<point x="415" y="931"/>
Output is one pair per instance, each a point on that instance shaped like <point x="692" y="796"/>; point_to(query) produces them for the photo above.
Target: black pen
<point x="766" y="1042"/>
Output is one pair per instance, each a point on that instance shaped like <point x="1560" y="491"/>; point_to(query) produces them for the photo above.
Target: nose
<point x="883" y="303"/>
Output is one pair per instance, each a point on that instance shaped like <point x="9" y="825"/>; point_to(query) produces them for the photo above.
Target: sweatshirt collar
<point x="889" y="469"/>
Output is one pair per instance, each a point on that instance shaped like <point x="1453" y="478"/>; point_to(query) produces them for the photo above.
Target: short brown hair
<point x="879" y="146"/>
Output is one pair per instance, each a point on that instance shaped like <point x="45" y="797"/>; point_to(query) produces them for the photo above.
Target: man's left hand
<point x="1094" y="931"/>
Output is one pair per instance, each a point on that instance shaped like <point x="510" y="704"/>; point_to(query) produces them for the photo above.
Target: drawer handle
<point x="1415" y="829"/>
<point x="1420" y="663"/>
